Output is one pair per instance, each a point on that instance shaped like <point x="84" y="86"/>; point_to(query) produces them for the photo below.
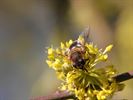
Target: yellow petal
<point x="57" y="64"/>
<point x="105" y="57"/>
<point x="50" y="51"/>
<point x="108" y="48"/>
<point x="58" y="51"/>
<point x="70" y="42"/>
<point x="62" y="45"/>
<point x="49" y="63"/>
<point x="67" y="44"/>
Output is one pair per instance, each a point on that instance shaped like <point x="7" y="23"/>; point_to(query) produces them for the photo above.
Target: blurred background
<point x="27" y="27"/>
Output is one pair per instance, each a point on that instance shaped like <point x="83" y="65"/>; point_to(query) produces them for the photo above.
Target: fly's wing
<point x="85" y="34"/>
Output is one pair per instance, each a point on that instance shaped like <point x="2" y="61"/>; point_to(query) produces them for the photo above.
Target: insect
<point x="77" y="50"/>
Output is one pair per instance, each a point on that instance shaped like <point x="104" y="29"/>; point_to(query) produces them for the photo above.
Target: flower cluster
<point x="94" y="83"/>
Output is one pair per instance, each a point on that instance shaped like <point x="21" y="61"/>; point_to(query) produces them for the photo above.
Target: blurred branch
<point x="63" y="95"/>
<point x="58" y="95"/>
<point x="124" y="76"/>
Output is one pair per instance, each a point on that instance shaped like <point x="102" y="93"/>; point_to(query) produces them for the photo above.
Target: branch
<point x="63" y="95"/>
<point x="58" y="95"/>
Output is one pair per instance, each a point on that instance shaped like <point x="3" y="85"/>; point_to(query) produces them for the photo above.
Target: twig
<point x="124" y="76"/>
<point x="63" y="95"/>
<point x="58" y="95"/>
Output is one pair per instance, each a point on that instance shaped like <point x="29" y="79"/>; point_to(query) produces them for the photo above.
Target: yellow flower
<point x="89" y="82"/>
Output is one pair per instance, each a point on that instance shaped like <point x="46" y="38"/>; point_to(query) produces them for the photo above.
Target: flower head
<point x="75" y="64"/>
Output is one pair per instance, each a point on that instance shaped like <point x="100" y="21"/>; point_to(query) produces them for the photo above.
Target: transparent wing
<point x="86" y="33"/>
